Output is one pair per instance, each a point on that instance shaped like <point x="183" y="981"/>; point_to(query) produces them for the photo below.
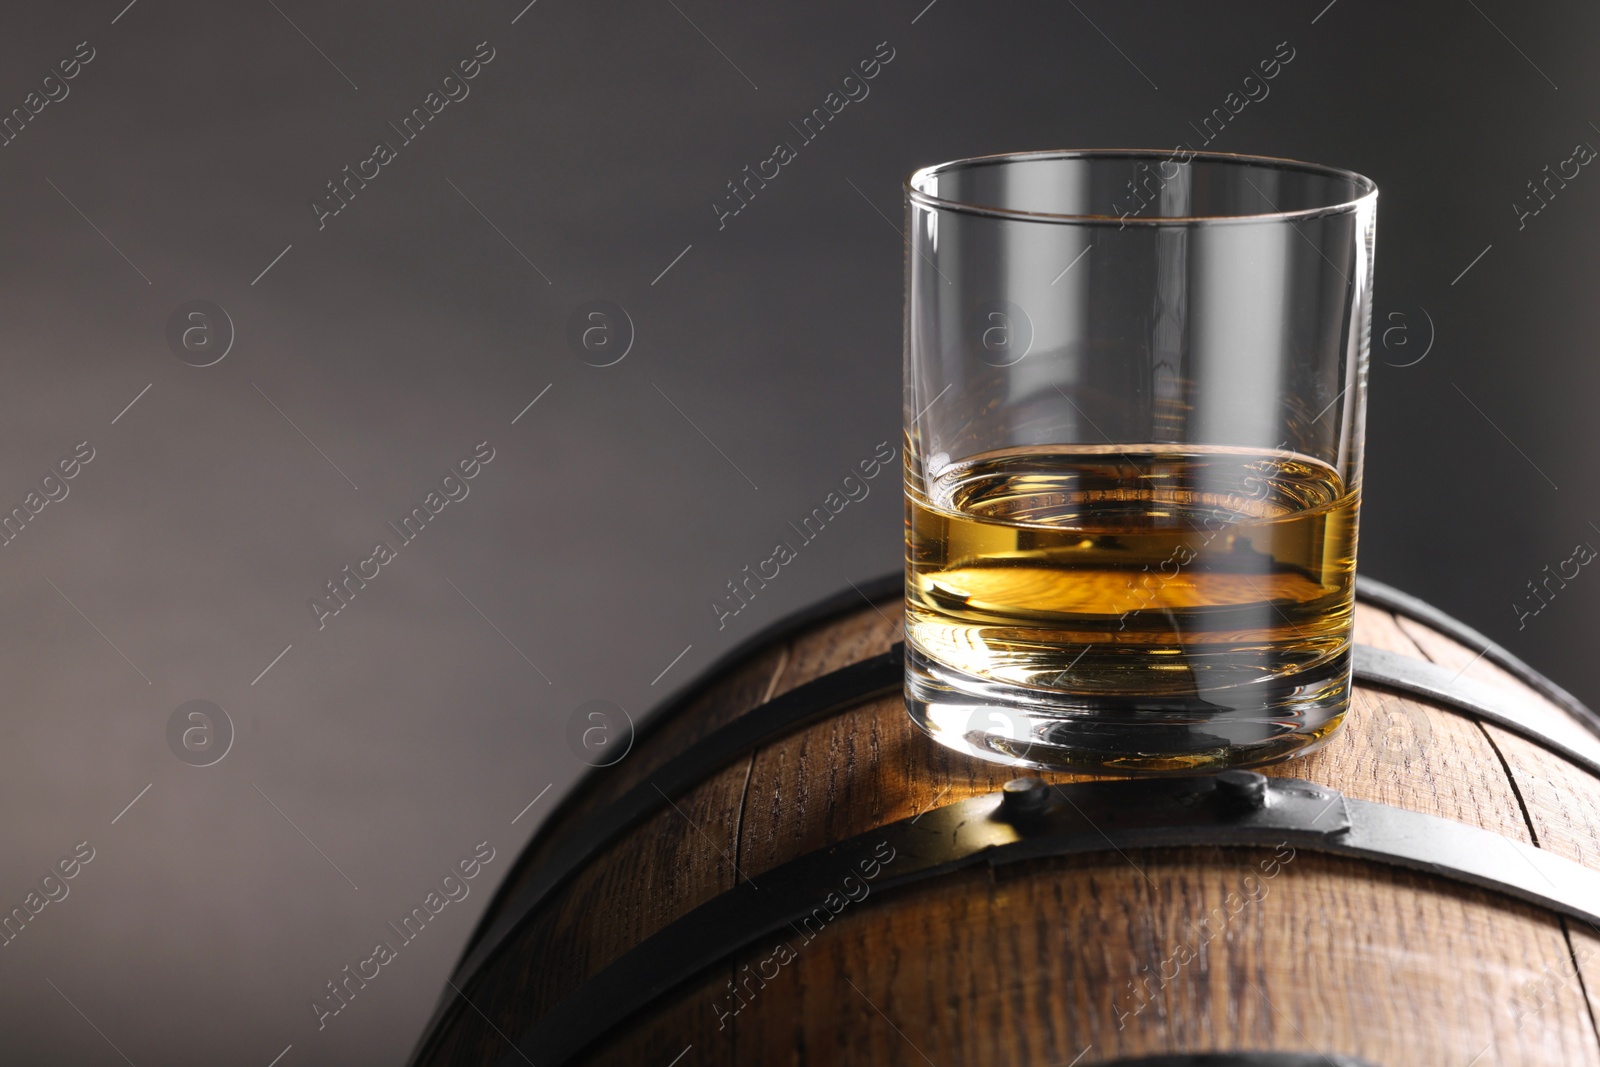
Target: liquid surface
<point x="1133" y="570"/>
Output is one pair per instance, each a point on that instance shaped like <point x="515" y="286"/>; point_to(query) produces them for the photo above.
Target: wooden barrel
<point x="784" y="870"/>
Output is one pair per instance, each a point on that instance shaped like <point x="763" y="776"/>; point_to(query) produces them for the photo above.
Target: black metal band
<point x="1029" y="820"/>
<point x="1430" y="681"/>
<point x="1392" y="599"/>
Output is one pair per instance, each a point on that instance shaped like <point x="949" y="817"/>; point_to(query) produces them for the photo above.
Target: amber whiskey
<point x="1137" y="608"/>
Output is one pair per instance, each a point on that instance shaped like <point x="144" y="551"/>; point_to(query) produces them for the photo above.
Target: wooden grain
<point x="1095" y="958"/>
<point x="1380" y="629"/>
<point x="1037" y="948"/>
<point x="1562" y="800"/>
<point x="1409" y="753"/>
<point x="1405" y="752"/>
<point x="1585" y="943"/>
<point x="861" y="635"/>
<point x="865" y="767"/>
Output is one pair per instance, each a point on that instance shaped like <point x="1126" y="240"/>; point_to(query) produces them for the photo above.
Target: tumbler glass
<point x="1135" y="397"/>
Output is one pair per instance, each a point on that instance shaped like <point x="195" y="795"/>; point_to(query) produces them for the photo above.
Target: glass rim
<point x="1367" y="189"/>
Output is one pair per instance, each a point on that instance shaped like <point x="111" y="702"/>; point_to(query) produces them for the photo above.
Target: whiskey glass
<point x="1135" y="397"/>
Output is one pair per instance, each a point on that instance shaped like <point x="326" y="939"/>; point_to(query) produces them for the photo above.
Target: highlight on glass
<point x="1135" y="400"/>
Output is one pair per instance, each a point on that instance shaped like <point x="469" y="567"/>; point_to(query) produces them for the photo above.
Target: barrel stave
<point x="1585" y="966"/>
<point x="745" y="686"/>
<point x="1562" y="801"/>
<point x="1400" y="751"/>
<point x="869" y="631"/>
<point x="862" y="768"/>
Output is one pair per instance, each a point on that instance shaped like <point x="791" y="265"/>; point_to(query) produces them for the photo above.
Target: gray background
<point x="378" y="751"/>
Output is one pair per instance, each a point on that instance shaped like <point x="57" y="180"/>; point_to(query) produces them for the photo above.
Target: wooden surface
<point x="1038" y="964"/>
<point x="1016" y="967"/>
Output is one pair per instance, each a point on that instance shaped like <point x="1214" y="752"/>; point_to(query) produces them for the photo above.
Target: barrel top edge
<point x="862" y="595"/>
<point x="833" y="606"/>
<point x="829" y="608"/>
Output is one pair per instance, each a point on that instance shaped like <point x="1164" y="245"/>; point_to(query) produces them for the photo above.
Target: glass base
<point x="1129" y="734"/>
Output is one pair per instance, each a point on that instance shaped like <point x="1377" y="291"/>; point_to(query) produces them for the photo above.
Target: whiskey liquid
<point x="1137" y="609"/>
